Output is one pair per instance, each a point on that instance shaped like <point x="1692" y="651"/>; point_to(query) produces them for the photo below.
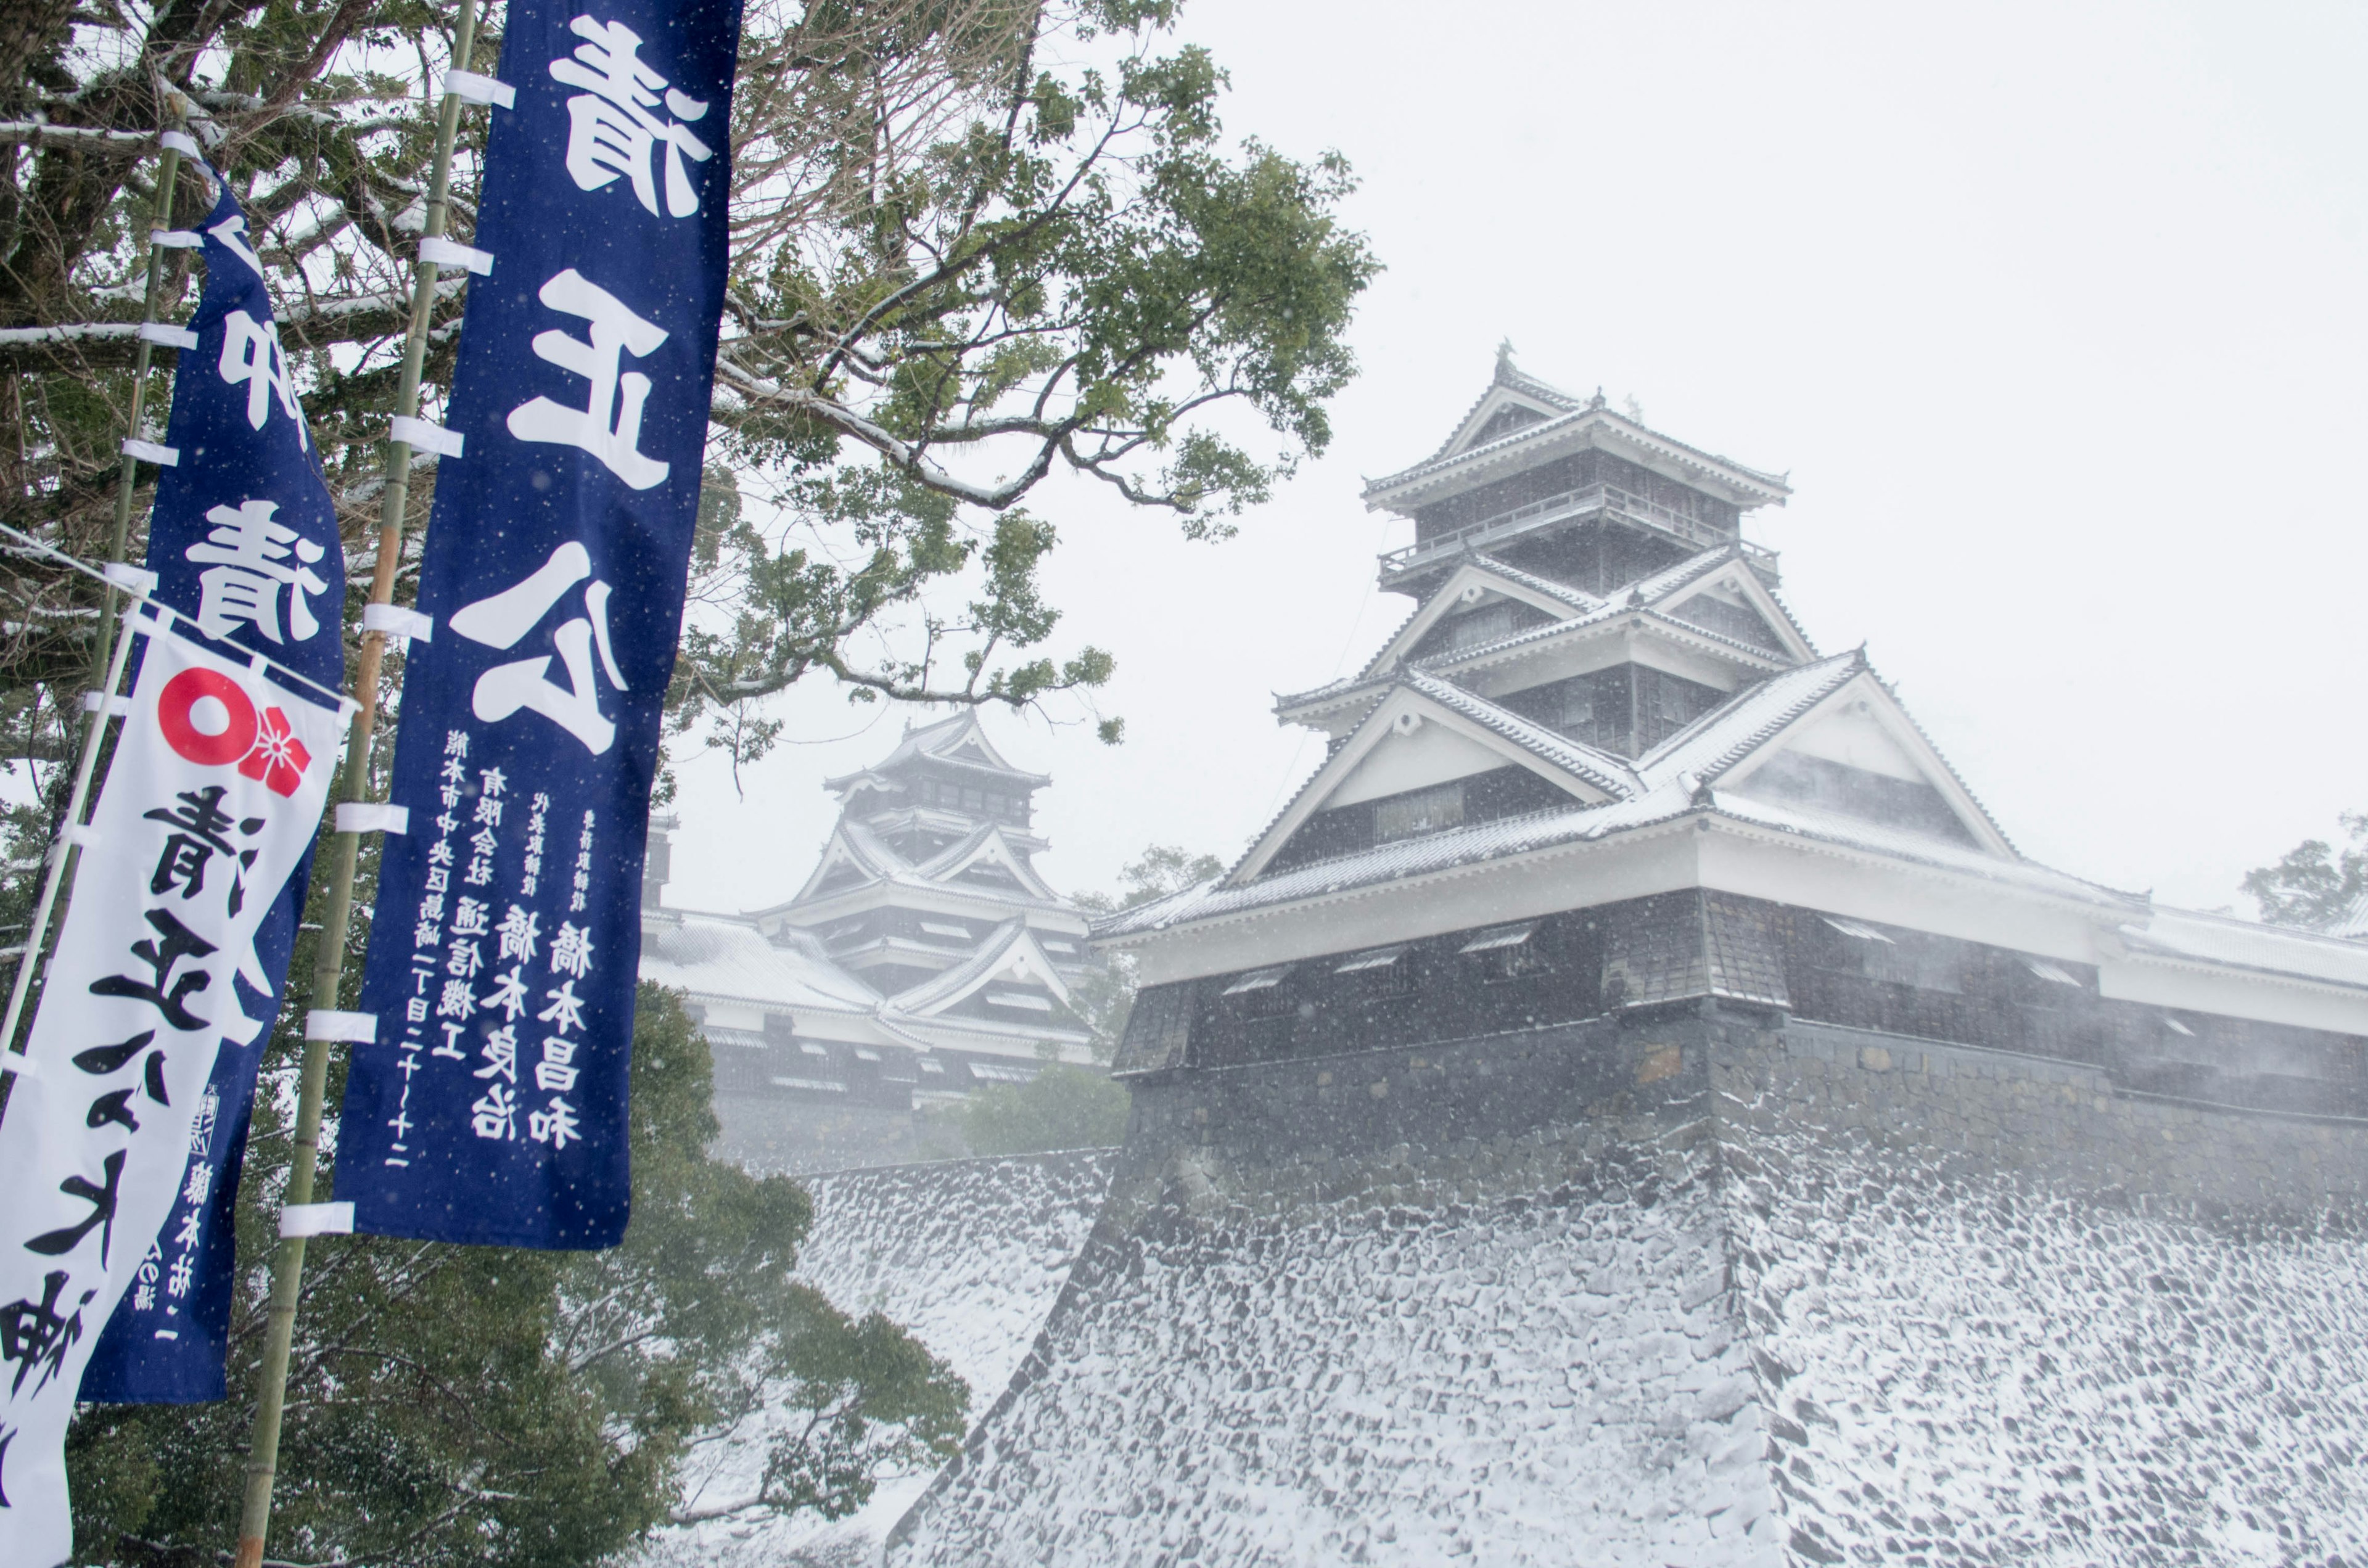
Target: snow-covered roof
<point x="1674" y="779"/>
<point x="726" y="957"/>
<point x="1653" y="596"/>
<point x="1010" y="947"/>
<point x="1569" y="423"/>
<point x="854" y="843"/>
<point x="2224" y="941"/>
<point x="960" y="741"/>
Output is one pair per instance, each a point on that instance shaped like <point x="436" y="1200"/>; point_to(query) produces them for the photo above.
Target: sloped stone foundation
<point x="1702" y="1290"/>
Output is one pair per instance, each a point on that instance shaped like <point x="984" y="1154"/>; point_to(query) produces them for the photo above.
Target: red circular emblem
<point x="178" y="713"/>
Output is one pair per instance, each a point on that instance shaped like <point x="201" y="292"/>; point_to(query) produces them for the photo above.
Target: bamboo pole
<point x="168" y="174"/>
<point x="66" y="848"/>
<point x="328" y="970"/>
<point x="105" y="669"/>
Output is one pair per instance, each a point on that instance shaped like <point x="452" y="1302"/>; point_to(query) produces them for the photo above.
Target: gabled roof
<point x="1679" y="777"/>
<point x="1415" y="697"/>
<point x="1473" y="579"/>
<point x="1011" y="946"/>
<point x="961" y="740"/>
<point x="1509" y="388"/>
<point x="984" y="843"/>
<point x="1653" y="596"/>
<point x="1571" y="425"/>
<point x="853" y="843"/>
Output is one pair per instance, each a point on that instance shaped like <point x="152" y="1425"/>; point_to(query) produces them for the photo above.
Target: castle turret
<point x="924" y="959"/>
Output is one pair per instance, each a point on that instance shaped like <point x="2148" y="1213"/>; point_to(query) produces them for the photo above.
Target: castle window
<point x="973" y="800"/>
<point x="1261" y="993"/>
<point x="1028" y="1000"/>
<point x="1913" y="959"/>
<point x="1423" y="811"/>
<point x="1506" y="952"/>
<point x="942" y="928"/>
<point x="1383" y="971"/>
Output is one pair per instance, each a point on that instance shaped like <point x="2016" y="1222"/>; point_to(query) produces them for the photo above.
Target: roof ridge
<point x="1819" y="679"/>
<point x="1573" y="757"/>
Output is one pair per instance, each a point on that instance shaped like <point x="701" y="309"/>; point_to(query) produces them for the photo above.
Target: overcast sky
<point x="2052" y="311"/>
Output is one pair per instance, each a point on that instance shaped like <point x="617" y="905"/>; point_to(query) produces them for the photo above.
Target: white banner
<point x="216" y="789"/>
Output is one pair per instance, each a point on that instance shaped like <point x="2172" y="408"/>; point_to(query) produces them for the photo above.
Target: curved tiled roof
<point x="726" y="957"/>
<point x="1603" y="769"/>
<point x="1772" y="485"/>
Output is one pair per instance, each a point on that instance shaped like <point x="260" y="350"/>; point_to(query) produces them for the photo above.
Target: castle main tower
<point x="1635" y="1106"/>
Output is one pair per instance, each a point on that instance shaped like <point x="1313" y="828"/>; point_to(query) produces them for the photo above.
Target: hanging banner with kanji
<point x="243" y="542"/>
<point x="491" y="1107"/>
<point x="216" y="788"/>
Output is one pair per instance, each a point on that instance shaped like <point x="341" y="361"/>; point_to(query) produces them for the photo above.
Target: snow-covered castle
<point x="1634" y="1106"/>
<point x="923" y="958"/>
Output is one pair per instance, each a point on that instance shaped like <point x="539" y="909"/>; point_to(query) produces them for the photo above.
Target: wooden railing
<point x="1594" y="498"/>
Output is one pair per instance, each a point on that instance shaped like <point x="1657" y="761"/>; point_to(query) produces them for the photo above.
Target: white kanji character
<point x="500" y="1051"/>
<point x="458" y="1001"/>
<point x="469" y="918"/>
<point x="489" y="811"/>
<point x="191" y="1222"/>
<point x="508" y="993"/>
<point x="494" y="782"/>
<point x="554" y="1126"/>
<point x="183" y="1273"/>
<point x="143" y="1297"/>
<point x="609" y="426"/>
<point x="611" y="130"/>
<point x="199" y="1182"/>
<point x="518" y="937"/>
<point x="201" y="1126"/>
<point x="455" y="771"/>
<point x="456" y="742"/>
<point x="496" y="1115"/>
<point x="554" y="1072"/>
<point x="500" y="620"/>
<point x="247" y="567"/>
<point x="570" y="950"/>
<point x="566" y="1009"/>
<point x="464" y="960"/>
<point x="251" y="356"/>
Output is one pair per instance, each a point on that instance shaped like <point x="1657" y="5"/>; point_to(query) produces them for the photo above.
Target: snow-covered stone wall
<point x="969" y="1255"/>
<point x="1694" y="1293"/>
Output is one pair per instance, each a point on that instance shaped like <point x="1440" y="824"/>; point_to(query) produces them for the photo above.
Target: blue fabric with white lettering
<point x="491" y="1107"/>
<point x="243" y="542"/>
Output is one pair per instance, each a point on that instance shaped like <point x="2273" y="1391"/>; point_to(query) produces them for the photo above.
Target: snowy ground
<point x="969" y="1255"/>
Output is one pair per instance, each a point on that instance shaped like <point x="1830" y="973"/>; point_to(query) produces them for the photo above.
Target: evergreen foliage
<point x="1061" y="1107"/>
<point x="975" y="242"/>
<point x="971" y="238"/>
<point x="490" y="1405"/>
<point x="1106" y="997"/>
<point x="2314" y="884"/>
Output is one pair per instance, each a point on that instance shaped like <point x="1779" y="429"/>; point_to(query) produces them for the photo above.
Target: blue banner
<point x="491" y="1107"/>
<point x="243" y="542"/>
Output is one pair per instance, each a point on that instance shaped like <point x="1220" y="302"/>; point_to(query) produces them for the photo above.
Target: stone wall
<point x="1701" y="1289"/>
<point x="968" y="1255"/>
